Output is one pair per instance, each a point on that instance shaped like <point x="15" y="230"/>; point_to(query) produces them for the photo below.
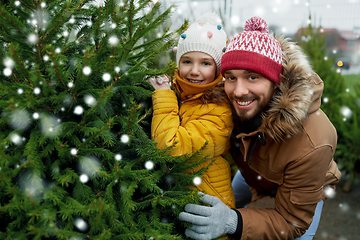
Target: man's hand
<point x="160" y="82"/>
<point x="209" y="222"/>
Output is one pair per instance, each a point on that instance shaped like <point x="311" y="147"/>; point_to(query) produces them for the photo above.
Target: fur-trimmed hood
<point x="299" y="95"/>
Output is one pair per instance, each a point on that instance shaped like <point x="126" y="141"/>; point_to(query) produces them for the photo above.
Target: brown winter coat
<point x="290" y="156"/>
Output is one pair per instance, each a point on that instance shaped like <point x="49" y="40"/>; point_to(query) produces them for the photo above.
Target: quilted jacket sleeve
<point x="190" y="127"/>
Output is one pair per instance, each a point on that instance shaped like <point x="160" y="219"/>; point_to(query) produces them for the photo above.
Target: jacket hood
<point x="299" y="94"/>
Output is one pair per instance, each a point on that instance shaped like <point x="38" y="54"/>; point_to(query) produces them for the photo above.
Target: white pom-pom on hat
<point x="209" y="17"/>
<point x="256" y="24"/>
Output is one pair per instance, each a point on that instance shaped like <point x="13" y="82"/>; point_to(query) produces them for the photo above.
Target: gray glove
<point x="209" y="222"/>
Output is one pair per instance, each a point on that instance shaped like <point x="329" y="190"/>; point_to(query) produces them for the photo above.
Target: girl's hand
<point x="160" y="82"/>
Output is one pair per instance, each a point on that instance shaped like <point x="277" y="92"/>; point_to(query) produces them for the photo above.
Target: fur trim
<point x="291" y="106"/>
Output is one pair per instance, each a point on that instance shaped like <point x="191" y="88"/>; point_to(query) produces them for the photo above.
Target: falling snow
<point x="86" y="70"/>
<point x="80" y="224"/>
<point x="197" y="181"/>
<point x="31" y="184"/>
<point x="37" y="90"/>
<point x="15" y="138"/>
<point x="7" y="72"/>
<point x="329" y="192"/>
<point x="9" y="63"/>
<point x="113" y="41"/>
<point x="346" y="112"/>
<point x="36" y="115"/>
<point x="106" y="77"/>
<point x="118" y="157"/>
<point x="73" y="151"/>
<point x="32" y="38"/>
<point x="20" y="119"/>
<point x="78" y="110"/>
<point x="89" y="100"/>
<point x="84" y="178"/>
<point x="124" y="138"/>
<point x="149" y="165"/>
<point x="50" y="126"/>
<point x="89" y="165"/>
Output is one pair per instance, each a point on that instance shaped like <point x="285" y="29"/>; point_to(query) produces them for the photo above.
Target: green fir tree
<point x="341" y="106"/>
<point x="76" y="157"/>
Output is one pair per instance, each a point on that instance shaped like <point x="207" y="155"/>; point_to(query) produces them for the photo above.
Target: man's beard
<point x="248" y="124"/>
<point x="252" y="122"/>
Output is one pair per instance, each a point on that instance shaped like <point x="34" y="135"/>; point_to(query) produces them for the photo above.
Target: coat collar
<point x="193" y="91"/>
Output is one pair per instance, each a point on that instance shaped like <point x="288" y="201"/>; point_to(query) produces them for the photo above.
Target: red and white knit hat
<point x="254" y="50"/>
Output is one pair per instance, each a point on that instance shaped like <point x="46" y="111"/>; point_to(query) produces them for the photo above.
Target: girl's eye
<point x="230" y="78"/>
<point x="186" y="62"/>
<point x="206" y="63"/>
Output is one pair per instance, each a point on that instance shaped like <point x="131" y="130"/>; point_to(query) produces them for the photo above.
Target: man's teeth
<point x="243" y="103"/>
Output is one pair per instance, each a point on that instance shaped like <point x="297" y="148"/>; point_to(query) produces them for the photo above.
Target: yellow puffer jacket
<point x="190" y="127"/>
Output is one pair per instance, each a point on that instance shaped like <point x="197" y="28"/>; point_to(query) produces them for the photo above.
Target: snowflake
<point x="87" y="70"/>
<point x="80" y="224"/>
<point x="124" y="138"/>
<point x="73" y="151"/>
<point x="118" y="157"/>
<point x="197" y="181"/>
<point x="149" y="165"/>
<point x="106" y="77"/>
<point x="78" y="110"/>
<point x="89" y="100"/>
<point x="37" y="90"/>
<point x="84" y="178"/>
<point x="7" y="72"/>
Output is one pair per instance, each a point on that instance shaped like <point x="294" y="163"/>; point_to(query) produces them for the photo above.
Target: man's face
<point x="249" y="92"/>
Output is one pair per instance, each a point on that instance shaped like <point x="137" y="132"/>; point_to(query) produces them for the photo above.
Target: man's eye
<point x="253" y="77"/>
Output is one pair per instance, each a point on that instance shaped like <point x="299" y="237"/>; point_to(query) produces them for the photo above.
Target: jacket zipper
<point x="256" y="140"/>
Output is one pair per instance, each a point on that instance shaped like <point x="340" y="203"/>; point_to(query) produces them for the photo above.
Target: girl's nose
<point x="195" y="69"/>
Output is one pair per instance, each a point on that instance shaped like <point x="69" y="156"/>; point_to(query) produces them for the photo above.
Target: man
<point x="283" y="143"/>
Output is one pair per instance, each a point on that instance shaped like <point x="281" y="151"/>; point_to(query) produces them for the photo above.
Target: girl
<point x="204" y="115"/>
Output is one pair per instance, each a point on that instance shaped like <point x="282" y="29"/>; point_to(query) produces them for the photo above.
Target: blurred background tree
<point x="76" y="158"/>
<point x="339" y="102"/>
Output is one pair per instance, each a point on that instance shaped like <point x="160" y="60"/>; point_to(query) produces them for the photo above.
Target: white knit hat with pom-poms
<point x="254" y="50"/>
<point x="205" y="35"/>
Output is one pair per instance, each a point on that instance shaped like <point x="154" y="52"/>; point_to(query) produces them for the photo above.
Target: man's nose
<point x="241" y="88"/>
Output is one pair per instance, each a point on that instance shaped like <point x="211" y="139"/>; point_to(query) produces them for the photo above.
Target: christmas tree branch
<point x="57" y="71"/>
<point x="9" y="18"/>
<point x="19" y="63"/>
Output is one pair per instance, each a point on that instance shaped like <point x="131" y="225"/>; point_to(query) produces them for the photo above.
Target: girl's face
<point x="197" y="68"/>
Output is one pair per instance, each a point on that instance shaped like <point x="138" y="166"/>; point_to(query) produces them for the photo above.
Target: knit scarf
<point x="187" y="89"/>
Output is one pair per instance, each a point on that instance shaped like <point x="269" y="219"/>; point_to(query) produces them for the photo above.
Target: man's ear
<point x="275" y="86"/>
